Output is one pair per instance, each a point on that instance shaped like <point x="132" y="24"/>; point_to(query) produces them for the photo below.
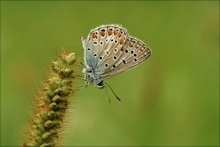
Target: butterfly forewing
<point x="113" y="52"/>
<point x="106" y="43"/>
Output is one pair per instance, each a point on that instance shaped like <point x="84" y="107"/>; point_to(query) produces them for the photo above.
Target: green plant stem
<point x="52" y="102"/>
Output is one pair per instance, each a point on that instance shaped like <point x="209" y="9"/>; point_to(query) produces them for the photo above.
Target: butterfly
<point x="108" y="51"/>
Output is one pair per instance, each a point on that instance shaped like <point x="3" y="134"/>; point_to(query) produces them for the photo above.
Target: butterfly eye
<point x="100" y="84"/>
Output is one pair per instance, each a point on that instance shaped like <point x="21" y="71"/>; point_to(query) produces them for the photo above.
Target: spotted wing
<point x="109" y="50"/>
<point x="103" y="47"/>
<point x="133" y="53"/>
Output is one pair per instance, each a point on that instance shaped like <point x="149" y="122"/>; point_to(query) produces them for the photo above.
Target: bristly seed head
<point x="52" y="102"/>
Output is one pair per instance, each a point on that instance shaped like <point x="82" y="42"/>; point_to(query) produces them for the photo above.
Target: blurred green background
<point x="170" y="100"/>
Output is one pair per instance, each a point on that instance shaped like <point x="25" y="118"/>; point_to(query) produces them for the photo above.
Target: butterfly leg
<point x="85" y="85"/>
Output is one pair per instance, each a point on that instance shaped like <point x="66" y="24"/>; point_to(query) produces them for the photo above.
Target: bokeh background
<point x="170" y="100"/>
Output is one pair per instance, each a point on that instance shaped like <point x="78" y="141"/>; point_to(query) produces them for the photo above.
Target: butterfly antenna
<point x="112" y="91"/>
<point x="109" y="101"/>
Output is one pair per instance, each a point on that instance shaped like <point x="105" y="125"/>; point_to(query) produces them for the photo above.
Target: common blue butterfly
<point x="108" y="51"/>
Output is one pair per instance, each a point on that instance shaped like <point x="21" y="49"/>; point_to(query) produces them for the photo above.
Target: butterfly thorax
<point x="91" y="77"/>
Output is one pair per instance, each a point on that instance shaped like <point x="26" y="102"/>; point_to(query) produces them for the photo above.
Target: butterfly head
<point x="90" y="77"/>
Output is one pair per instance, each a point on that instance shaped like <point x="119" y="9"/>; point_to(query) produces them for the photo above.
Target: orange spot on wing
<point x="119" y="34"/>
<point x="122" y="49"/>
<point x="94" y="35"/>
<point x="102" y="32"/>
<point x="109" y="32"/>
<point x="116" y="32"/>
<point x="122" y="41"/>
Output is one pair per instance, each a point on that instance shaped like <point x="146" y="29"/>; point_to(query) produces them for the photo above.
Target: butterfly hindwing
<point x="135" y="52"/>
